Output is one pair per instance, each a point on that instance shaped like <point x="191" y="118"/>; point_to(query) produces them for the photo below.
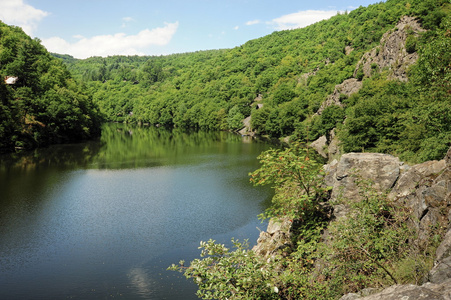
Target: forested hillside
<point x="40" y="103"/>
<point x="282" y="79"/>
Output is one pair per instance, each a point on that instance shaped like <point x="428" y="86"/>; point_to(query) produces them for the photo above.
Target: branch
<point x="377" y="263"/>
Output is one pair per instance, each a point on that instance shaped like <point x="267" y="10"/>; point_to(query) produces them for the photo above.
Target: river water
<point x="104" y="219"/>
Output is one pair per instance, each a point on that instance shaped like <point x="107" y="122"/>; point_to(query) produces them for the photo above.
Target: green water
<point x="103" y="219"/>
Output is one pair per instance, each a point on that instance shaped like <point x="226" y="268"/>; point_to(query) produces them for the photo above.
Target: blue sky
<point x="84" y="28"/>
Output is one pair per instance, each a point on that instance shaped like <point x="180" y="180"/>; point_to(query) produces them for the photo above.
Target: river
<point x="105" y="218"/>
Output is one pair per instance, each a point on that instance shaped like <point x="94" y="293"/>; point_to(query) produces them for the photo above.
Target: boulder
<point x="319" y="145"/>
<point x="275" y="240"/>
<point x="382" y="169"/>
<point x="409" y="292"/>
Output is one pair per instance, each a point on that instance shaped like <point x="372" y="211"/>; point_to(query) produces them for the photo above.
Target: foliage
<point x="44" y="105"/>
<point x="408" y="119"/>
<point x="367" y="245"/>
<point x="225" y="274"/>
<point x="296" y="177"/>
<point x="291" y="72"/>
<point x="234" y="119"/>
<point x="241" y="274"/>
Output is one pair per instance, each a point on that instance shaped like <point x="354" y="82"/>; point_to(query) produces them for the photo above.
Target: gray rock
<point x="405" y="292"/>
<point x="319" y="145"/>
<point x="392" y="54"/>
<point x="444" y="250"/>
<point x="382" y="169"/>
<point x="441" y="271"/>
<point x="350" y="296"/>
<point x="347" y="87"/>
<point x="275" y="240"/>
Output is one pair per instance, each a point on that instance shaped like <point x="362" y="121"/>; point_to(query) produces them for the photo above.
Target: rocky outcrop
<point x="320" y="145"/>
<point x="346" y="88"/>
<point x="392" y="53"/>
<point x="276" y="239"/>
<point x="409" y="292"/>
<point x="426" y="190"/>
<point x="426" y="194"/>
<point x="382" y="169"/>
<point x="247" y="128"/>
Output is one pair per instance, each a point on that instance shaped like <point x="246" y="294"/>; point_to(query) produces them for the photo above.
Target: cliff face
<point x="426" y="190"/>
<point x="391" y="55"/>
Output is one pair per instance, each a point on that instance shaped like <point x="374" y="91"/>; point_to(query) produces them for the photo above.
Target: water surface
<point x="104" y="219"/>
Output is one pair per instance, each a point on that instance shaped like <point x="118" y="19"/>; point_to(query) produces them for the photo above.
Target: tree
<point x="235" y="118"/>
<point x="296" y="177"/>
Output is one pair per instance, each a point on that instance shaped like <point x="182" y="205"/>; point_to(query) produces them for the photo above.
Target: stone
<point x="275" y="225"/>
<point x="382" y="169"/>
<point x="319" y="145"/>
<point x="444" y="249"/>
<point x="441" y="272"/>
<point x="347" y="88"/>
<point x="391" y="53"/>
<point x="334" y="145"/>
<point x="275" y="240"/>
<point x="405" y="292"/>
<point x="412" y="187"/>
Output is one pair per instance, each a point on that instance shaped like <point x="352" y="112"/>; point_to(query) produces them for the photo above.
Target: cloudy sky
<point x="84" y="28"/>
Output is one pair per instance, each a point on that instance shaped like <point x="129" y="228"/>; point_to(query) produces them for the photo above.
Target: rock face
<point x="392" y="52"/>
<point x="319" y="145"/>
<point x="347" y="88"/>
<point x="276" y="237"/>
<point x="382" y="169"/>
<point x="409" y="292"/>
<point x="426" y="190"/>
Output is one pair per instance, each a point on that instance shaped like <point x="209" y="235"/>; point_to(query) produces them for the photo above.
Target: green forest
<point x="40" y="102"/>
<point x="291" y="73"/>
<point x="280" y="80"/>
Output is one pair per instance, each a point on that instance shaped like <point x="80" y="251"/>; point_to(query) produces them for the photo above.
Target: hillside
<point x="283" y="79"/>
<point x="40" y="102"/>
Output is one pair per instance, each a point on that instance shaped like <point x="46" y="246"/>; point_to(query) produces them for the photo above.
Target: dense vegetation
<point x="44" y="104"/>
<point x="294" y="71"/>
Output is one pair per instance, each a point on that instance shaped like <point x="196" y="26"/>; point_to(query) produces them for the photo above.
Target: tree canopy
<point x="42" y="104"/>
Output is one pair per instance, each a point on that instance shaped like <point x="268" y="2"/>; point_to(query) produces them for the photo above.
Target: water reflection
<point x="107" y="217"/>
<point x="137" y="147"/>
<point x="141" y="282"/>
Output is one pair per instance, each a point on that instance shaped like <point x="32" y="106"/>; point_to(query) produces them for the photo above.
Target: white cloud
<point x="302" y="19"/>
<point x="117" y="44"/>
<point x="236" y="27"/>
<point x="253" y="22"/>
<point x="15" y="12"/>
<point x="127" y="19"/>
